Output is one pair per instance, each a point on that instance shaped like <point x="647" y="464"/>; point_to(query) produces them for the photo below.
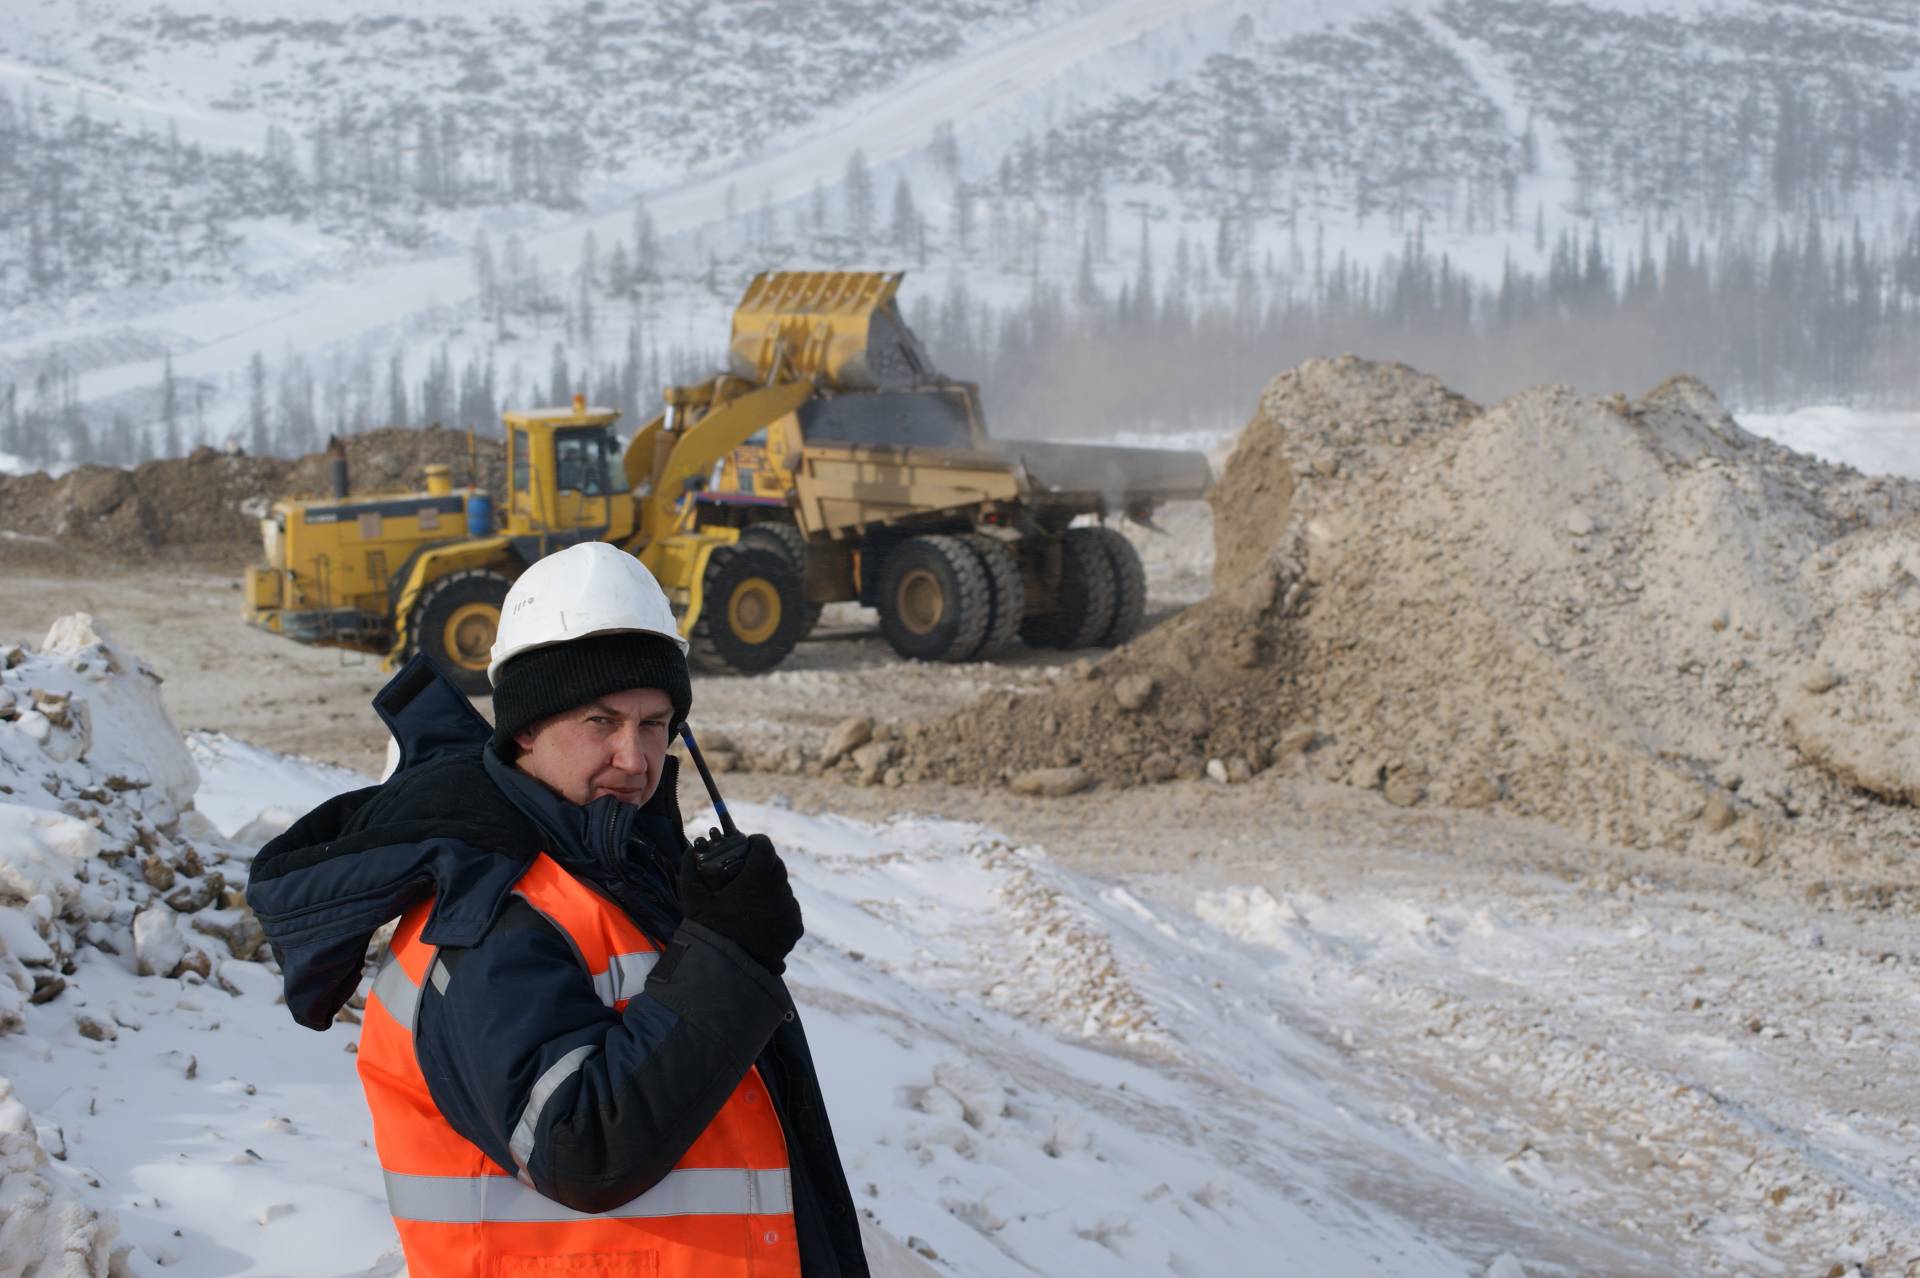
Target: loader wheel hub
<point x="753" y="612"/>
<point x="468" y="634"/>
<point x="922" y="602"/>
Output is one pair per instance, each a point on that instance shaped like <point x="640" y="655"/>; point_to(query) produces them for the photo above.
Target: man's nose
<point x="628" y="755"/>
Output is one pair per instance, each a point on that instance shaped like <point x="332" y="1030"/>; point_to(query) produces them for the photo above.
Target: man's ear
<point x="524" y="739"/>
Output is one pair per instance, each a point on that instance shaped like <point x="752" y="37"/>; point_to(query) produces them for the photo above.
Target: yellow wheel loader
<point x="427" y="572"/>
<point x="882" y="486"/>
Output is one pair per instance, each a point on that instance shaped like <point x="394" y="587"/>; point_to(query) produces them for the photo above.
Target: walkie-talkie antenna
<point x="706" y="779"/>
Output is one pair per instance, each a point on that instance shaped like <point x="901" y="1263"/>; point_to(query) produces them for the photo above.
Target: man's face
<point x="611" y="745"/>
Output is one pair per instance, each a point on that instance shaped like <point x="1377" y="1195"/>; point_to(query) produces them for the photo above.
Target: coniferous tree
<point x="258" y="439"/>
<point x="169" y="409"/>
<point x="858" y="184"/>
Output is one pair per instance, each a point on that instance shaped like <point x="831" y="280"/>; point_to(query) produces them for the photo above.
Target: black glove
<point x="754" y="908"/>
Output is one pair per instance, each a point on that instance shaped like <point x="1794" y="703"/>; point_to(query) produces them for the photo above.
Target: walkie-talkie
<point x="719" y="854"/>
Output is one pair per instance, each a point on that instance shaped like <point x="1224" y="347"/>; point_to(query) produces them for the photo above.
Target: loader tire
<point x="455" y="623"/>
<point x="1006" y="592"/>
<point x="749" y="613"/>
<point x="1129" y="587"/>
<point x="934" y="601"/>
<point x="1083" y="605"/>
<point x="792" y="543"/>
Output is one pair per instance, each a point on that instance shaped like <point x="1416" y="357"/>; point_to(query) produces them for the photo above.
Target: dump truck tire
<point x="792" y="543"/>
<point x="1083" y="605"/>
<point x="1006" y="592"/>
<point x="1129" y="587"/>
<point x="455" y="623"/>
<point x="750" y="614"/>
<point x="934" y="599"/>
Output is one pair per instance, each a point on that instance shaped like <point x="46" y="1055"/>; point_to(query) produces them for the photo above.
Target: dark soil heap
<point x="208" y="505"/>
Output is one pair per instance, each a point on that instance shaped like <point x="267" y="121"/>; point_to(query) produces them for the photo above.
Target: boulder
<point x="845" y="739"/>
<point x="1052" y="783"/>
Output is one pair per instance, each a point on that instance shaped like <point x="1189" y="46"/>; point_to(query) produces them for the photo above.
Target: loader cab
<point x="565" y="479"/>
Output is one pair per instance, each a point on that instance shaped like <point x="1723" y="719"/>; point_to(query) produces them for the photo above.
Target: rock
<point x="721" y="760"/>
<point x="1245" y="649"/>
<point x="1821" y="680"/>
<point x="884" y="732"/>
<point x="1402" y="789"/>
<point x="274" y="1211"/>
<point x="1193" y="721"/>
<point x="1190" y="768"/>
<point x="242" y="932"/>
<point x="1159" y="766"/>
<point x="190" y="898"/>
<point x="1297" y="741"/>
<point x="158" y="945"/>
<point x="1366" y="772"/>
<point x="1217" y="770"/>
<point x="845" y="739"/>
<point x="1579" y="522"/>
<point x="46" y="987"/>
<point x="196" y="961"/>
<point x="100" y="1031"/>
<point x="1718" y="814"/>
<point x="1478" y="791"/>
<point x="158" y="874"/>
<point x="1052" y="783"/>
<point x="1132" y="692"/>
<point x="712" y="739"/>
<point x="1239" y="770"/>
<point x="894" y="778"/>
<point x="871" y="760"/>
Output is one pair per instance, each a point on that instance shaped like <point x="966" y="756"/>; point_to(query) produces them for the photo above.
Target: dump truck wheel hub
<point x="753" y="613"/>
<point x="922" y="601"/>
<point x="468" y="636"/>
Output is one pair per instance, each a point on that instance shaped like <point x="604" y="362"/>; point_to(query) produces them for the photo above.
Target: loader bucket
<point x="839" y="326"/>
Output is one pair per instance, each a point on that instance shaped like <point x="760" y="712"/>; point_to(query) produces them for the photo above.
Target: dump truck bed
<point x="1086" y="475"/>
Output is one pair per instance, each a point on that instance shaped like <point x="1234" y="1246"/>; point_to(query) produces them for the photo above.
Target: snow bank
<point x="104" y="867"/>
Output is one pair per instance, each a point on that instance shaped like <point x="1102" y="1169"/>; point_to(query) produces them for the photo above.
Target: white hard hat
<point x="589" y="589"/>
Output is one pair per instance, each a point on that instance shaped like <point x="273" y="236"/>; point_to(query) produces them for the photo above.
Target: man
<point x="579" y="1054"/>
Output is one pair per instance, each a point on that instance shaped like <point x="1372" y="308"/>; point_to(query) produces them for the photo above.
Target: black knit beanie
<point x="546" y="681"/>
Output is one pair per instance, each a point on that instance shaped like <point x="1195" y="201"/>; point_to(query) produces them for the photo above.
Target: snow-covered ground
<point x="1436" y="1052"/>
<point x="1874" y="443"/>
<point x="1030" y="1070"/>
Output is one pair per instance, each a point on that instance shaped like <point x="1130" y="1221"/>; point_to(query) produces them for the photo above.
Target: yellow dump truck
<point x="401" y="573"/>
<point x="882" y="485"/>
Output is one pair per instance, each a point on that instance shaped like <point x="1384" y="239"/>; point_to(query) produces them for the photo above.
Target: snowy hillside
<point x="222" y="221"/>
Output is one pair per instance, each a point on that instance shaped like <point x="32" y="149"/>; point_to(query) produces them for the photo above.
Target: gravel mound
<point x="1636" y="620"/>
<point x="209" y="504"/>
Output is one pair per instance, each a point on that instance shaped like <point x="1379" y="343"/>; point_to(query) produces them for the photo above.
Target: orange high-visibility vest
<point x="724" y="1211"/>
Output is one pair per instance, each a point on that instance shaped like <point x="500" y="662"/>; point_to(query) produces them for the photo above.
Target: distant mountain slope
<point x="515" y="189"/>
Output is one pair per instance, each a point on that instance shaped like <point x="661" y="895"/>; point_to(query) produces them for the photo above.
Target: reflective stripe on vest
<point x="693" y="1191"/>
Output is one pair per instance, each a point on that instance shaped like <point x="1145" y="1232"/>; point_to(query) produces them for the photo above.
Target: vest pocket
<point x="622" y="1264"/>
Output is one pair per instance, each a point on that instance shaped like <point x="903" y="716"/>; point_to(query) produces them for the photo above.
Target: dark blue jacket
<point x="458" y="823"/>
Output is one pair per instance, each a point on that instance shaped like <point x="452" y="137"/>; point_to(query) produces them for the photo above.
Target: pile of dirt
<point x="209" y="504"/>
<point x="1636" y="620"/>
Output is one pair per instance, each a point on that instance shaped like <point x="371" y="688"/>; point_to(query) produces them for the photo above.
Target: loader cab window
<point x="584" y="462"/>
<point x="522" y="467"/>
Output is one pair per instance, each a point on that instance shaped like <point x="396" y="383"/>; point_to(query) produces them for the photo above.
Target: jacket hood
<point x="437" y="827"/>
